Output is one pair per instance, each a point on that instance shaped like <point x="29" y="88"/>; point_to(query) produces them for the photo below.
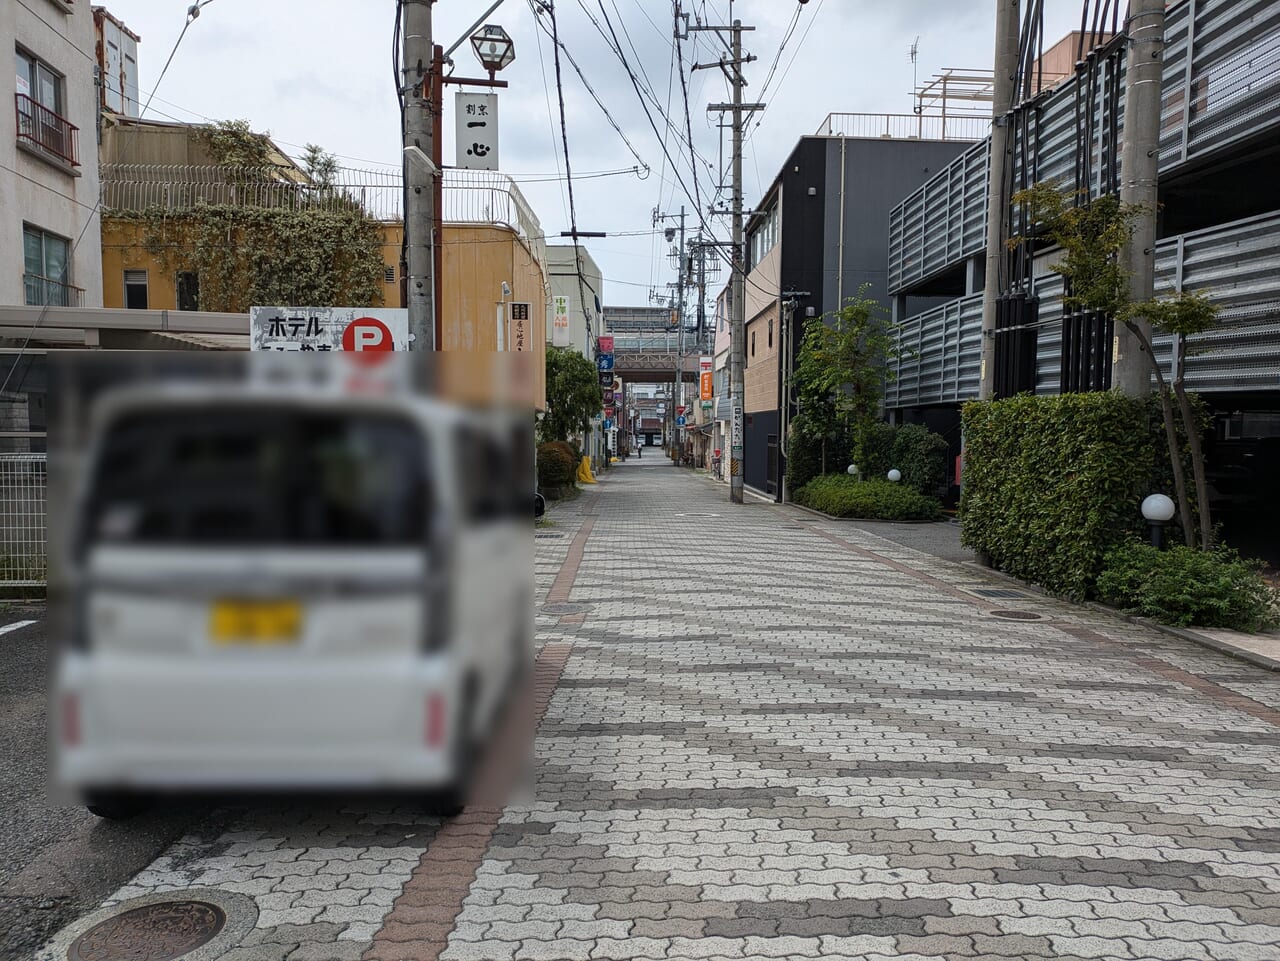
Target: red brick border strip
<point x="568" y="573"/>
<point x="1223" y="695"/>
<point x="418" y="926"/>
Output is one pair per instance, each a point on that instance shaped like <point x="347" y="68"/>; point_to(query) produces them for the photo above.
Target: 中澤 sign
<point x="520" y="327"/>
<point x="560" y="322"/>
<point x="328" y="328"/>
<point x="477" y="130"/>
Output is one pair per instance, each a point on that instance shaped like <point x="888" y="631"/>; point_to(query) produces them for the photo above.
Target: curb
<point x="1182" y="633"/>
<point x="864" y="520"/>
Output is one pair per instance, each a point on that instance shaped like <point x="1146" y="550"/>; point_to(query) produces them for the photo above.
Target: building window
<point x="46" y="269"/>
<point x="753" y="343"/>
<point x="188" y="290"/>
<point x="389" y="275"/>
<point x="135" y="289"/>
<point x="39" y="102"/>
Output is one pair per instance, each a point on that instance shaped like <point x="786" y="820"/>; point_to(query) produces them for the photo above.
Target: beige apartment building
<point x="50" y="248"/>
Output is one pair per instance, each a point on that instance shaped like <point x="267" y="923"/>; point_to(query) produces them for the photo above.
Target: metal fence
<point x="905" y="126"/>
<point x="23" y="490"/>
<point x="1221" y="85"/>
<point x="1237" y="265"/>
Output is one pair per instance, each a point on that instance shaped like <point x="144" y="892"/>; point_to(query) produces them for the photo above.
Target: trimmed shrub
<point x="842" y="496"/>
<point x="1187" y="587"/>
<point x="557" y="467"/>
<point x="809" y="453"/>
<point x="921" y="455"/>
<point x="875" y="454"/>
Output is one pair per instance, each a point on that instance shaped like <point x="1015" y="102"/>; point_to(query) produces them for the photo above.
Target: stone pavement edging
<point x="1182" y="633"/>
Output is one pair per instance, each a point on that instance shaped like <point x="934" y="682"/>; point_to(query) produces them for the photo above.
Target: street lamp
<point x="494" y="48"/>
<point x="894" y="475"/>
<point x="1158" y="509"/>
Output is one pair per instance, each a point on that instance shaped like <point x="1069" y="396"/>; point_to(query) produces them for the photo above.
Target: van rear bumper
<point x="145" y="725"/>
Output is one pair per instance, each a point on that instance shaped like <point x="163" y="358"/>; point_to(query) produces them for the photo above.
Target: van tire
<point x="115" y="805"/>
<point x="451" y="801"/>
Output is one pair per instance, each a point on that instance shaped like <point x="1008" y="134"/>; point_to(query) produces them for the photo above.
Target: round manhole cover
<point x="565" y="608"/>
<point x="154" y="932"/>
<point x="1018" y="615"/>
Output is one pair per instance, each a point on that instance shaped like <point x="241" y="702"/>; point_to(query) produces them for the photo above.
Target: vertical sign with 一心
<point x="477" y="130"/>
<point x="560" y="323"/>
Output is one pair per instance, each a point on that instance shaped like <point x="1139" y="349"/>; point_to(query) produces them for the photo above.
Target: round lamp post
<point x="853" y="470"/>
<point x="1158" y="511"/>
<point x="894" y="475"/>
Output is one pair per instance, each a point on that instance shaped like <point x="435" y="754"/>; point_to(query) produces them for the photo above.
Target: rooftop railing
<point x="905" y="126"/>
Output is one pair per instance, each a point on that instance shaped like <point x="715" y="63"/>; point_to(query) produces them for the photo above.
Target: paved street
<point x="767" y="735"/>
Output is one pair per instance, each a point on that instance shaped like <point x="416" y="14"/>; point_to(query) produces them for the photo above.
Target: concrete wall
<point x="584" y="319"/>
<point x="44" y="192"/>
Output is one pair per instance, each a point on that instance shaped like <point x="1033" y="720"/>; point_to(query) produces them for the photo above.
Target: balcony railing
<point x="905" y="126"/>
<point x="46" y="292"/>
<point x="41" y="127"/>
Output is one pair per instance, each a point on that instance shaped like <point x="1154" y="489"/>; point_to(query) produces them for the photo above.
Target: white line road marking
<point x="14" y="626"/>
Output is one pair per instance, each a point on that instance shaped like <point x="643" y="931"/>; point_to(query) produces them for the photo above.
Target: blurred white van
<point x="272" y="589"/>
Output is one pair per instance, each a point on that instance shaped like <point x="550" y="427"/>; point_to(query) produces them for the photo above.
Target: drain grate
<point x="540" y="536"/>
<point x="998" y="592"/>
<point x="155" y="932"/>
<point x="1018" y="615"/>
<point x="566" y="608"/>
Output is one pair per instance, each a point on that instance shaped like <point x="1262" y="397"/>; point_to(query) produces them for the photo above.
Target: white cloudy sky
<point x="320" y="71"/>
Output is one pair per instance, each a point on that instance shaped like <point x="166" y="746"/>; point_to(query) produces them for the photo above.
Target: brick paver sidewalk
<point x="766" y="735"/>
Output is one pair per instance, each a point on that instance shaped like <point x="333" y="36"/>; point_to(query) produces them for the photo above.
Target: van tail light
<point x="434" y="726"/>
<point x="70" y="707"/>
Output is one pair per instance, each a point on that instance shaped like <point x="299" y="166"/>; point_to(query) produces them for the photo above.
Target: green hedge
<point x="921" y="455"/>
<point x="1188" y="587"/>
<point x="917" y="452"/>
<point x="1053" y="483"/>
<point x="842" y="496"/>
<point x="557" y="466"/>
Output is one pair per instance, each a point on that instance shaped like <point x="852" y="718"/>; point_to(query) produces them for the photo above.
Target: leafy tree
<point x="1092" y="237"/>
<point x="841" y="372"/>
<point x="573" y="395"/>
<point x="320" y="165"/>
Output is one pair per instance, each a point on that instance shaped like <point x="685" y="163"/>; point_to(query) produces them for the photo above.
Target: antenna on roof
<point x="915" y="72"/>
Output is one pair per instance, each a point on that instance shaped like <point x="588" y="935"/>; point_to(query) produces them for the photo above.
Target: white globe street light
<point x="1158" y="510"/>
<point x="894" y="475"/>
<point x="853" y="470"/>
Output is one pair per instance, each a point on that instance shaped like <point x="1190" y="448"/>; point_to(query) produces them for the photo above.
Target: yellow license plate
<point x="255" y="622"/>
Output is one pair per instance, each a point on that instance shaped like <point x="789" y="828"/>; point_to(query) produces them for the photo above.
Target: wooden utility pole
<point x="1006" y="70"/>
<point x="1139" y="168"/>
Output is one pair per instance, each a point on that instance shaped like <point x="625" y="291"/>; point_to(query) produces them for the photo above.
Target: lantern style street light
<point x="1158" y="510"/>
<point x="494" y="48"/>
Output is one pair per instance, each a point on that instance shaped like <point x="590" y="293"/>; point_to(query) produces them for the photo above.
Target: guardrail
<point x="41" y="127"/>
<point x="46" y="292"/>
<point x="905" y="126"/>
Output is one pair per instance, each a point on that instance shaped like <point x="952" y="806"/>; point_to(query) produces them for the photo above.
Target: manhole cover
<point x="155" y="932"/>
<point x="565" y="608"/>
<point x="1018" y="615"/>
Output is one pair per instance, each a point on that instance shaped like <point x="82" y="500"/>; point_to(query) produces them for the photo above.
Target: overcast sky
<point x="320" y="71"/>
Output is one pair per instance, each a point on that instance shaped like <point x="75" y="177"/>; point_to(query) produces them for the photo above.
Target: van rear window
<point x="260" y="476"/>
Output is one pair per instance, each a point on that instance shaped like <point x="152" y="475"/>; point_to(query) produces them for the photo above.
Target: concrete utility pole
<point x="678" y="432"/>
<point x="1006" y="70"/>
<point x="1139" y="168"/>
<point x="420" y="172"/>
<point x="737" y="289"/>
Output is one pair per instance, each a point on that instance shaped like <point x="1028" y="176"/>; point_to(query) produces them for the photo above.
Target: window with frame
<point x="39" y="101"/>
<point x="188" y="290"/>
<point x="46" y="268"/>
<point x="135" y="290"/>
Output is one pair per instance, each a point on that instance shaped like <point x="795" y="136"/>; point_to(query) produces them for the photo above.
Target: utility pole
<point x="1140" y="167"/>
<point x="680" y="281"/>
<point x="420" y="197"/>
<point x="1006" y="69"/>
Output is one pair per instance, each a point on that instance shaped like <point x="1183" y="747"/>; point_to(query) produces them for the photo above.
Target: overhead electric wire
<point x="800" y="46"/>
<point x="568" y="170"/>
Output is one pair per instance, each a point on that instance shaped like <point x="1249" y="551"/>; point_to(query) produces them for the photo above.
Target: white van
<point x="276" y="590"/>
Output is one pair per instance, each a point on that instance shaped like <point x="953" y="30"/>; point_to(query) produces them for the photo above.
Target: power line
<point x="791" y="62"/>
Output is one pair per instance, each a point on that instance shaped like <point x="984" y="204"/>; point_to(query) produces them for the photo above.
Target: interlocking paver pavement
<point x="777" y="736"/>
